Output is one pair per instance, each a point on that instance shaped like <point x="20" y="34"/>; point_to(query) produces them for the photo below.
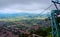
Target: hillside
<point x="28" y="15"/>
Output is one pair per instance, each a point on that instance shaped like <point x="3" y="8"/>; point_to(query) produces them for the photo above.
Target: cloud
<point x="24" y="5"/>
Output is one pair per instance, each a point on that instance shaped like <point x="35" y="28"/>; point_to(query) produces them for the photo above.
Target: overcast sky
<point x="32" y="6"/>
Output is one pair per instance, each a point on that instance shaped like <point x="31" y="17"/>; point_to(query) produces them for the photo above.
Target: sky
<point x="29" y="6"/>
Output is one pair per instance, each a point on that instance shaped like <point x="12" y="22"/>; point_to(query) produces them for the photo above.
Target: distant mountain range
<point x="29" y="15"/>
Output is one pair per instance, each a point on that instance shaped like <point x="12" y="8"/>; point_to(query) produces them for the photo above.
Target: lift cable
<point x="47" y="8"/>
<point x="55" y="3"/>
<point x="51" y="5"/>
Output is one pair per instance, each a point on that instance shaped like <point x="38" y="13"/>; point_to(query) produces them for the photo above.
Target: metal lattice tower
<point x="54" y="20"/>
<point x="55" y="24"/>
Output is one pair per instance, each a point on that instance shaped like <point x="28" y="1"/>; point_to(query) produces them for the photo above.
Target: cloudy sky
<point x="32" y="6"/>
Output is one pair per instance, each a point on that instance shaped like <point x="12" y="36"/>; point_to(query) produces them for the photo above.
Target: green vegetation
<point x="45" y="32"/>
<point x="49" y="35"/>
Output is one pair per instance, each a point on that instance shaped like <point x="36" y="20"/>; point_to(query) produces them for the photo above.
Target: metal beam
<point x="55" y="27"/>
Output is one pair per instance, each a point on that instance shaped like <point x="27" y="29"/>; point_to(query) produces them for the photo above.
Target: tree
<point x="43" y="31"/>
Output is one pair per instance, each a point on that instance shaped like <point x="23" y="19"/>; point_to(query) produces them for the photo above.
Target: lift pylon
<point x="55" y="23"/>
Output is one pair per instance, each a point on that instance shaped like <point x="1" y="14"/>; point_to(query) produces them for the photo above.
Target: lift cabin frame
<point x="55" y="23"/>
